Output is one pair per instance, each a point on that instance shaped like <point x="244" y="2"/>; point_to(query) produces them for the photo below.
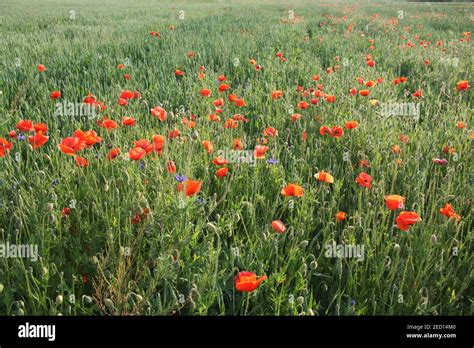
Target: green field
<point x="117" y="237"/>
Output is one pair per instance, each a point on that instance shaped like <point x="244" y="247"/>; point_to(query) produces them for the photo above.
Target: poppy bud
<point x="59" y="299"/>
<point x="434" y="239"/>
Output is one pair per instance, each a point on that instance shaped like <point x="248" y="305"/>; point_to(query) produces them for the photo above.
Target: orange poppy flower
<point x="341" y="216"/>
<point x="218" y="102"/>
<point x="128" y="121"/>
<point x="462" y="85"/>
<point x="238" y="144"/>
<point x="41" y="127"/>
<point x="107" y="123"/>
<point x="4" y="146"/>
<point x="144" y="144"/>
<point x="364" y="180"/>
<point x="277" y="94"/>
<point x="337" y="132"/>
<point x="190" y="187"/>
<point x="325" y="177"/>
<point x="270" y="131"/>
<point x="394" y="202"/>
<point x="71" y="145"/>
<point x="41" y="67"/>
<point x="158" y="141"/>
<point x="351" y="124"/>
<point x="260" y="150"/>
<point x="407" y="218"/>
<point x="295" y="117"/>
<point x="292" y="190"/>
<point x="303" y="105"/>
<point x="55" y="95"/>
<point x="81" y="161"/>
<point x="171" y="167"/>
<point x="137" y="153"/>
<point x="208" y="146"/>
<point x="248" y="281"/>
<point x="178" y="72"/>
<point x="159" y="113"/>
<point x="330" y="98"/>
<point x="219" y="161"/>
<point x="113" y="154"/>
<point x="232" y="97"/>
<point x="90" y="137"/>
<point x="230" y="123"/>
<point x="240" y="103"/>
<point x="418" y="94"/>
<point x="364" y="92"/>
<point x="205" y="92"/>
<point x="223" y="87"/>
<point x="127" y="95"/>
<point x="37" y="140"/>
<point x="448" y="211"/>
<point x="25" y="126"/>
<point x="278" y="226"/>
<point x="222" y="172"/>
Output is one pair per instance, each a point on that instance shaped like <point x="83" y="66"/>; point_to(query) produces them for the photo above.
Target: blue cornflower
<point x="180" y="178"/>
<point x="272" y="161"/>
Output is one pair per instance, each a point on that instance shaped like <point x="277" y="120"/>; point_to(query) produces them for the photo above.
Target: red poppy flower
<point x="205" y="92"/>
<point x="128" y="121"/>
<point x="394" y="202"/>
<point x="137" y="153"/>
<point x="37" y="140"/>
<point x="222" y="172"/>
<point x="41" y="67"/>
<point x="278" y="226"/>
<point x="248" y="281"/>
<point x="55" y="95"/>
<point x="113" y="154"/>
<point x="71" y="145"/>
<point x="4" y="146"/>
<point x="159" y="113"/>
<point x="292" y="190"/>
<point x="407" y="218"/>
<point x="190" y="187"/>
<point x="25" y="126"/>
<point x="364" y="180"/>
<point x="171" y="167"/>
<point x="448" y="211"/>
<point x="81" y="162"/>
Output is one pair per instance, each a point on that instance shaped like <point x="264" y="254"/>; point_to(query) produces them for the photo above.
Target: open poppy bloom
<point x="364" y="92"/>
<point x="4" y="146"/>
<point x="158" y="142"/>
<point x="171" y="167"/>
<point x="394" y="202"/>
<point x="113" y="154"/>
<point x="71" y="145"/>
<point x="270" y="131"/>
<point x="278" y="226"/>
<point x="222" y="172"/>
<point x="364" y="180"/>
<point x="90" y="137"/>
<point x="259" y="151"/>
<point x="25" y="126"/>
<point x="41" y="67"/>
<point x="248" y="281"/>
<point x="207" y="144"/>
<point x="190" y="187"/>
<point x="205" y="92"/>
<point x="340" y="216"/>
<point x="448" y="211"/>
<point x="107" y="123"/>
<point x="277" y="94"/>
<point x="407" y="218"/>
<point x="417" y="94"/>
<point x="137" y="153"/>
<point x="81" y="161"/>
<point x="462" y="85"/>
<point x="37" y="140"/>
<point x="325" y="177"/>
<point x="159" y="113"/>
<point x="351" y="124"/>
<point x="292" y="190"/>
<point x="223" y="87"/>
<point x="219" y="161"/>
<point x="128" y="121"/>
